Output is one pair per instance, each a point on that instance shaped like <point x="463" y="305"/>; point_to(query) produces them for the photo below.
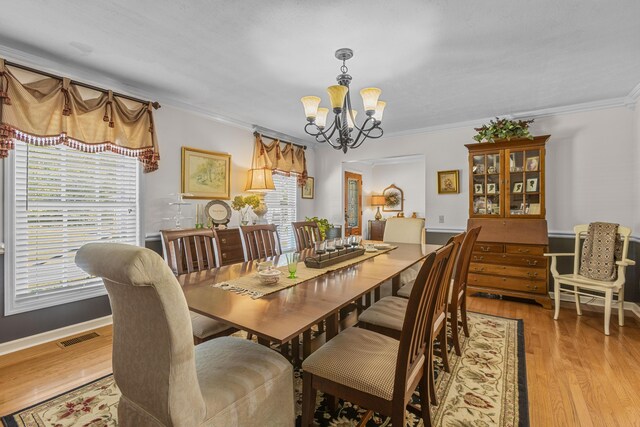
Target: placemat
<point x="250" y="284"/>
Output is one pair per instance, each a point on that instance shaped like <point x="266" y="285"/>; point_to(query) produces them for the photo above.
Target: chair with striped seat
<point x="375" y="371"/>
<point x="187" y="251"/>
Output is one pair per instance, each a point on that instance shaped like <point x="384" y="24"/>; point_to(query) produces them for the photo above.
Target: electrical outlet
<point x="441" y="219"/>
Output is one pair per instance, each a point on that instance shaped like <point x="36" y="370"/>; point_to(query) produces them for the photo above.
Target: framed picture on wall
<point x="448" y="182"/>
<point x="205" y="174"/>
<point x="308" y="188"/>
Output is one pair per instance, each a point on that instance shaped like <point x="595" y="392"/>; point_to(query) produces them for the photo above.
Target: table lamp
<point x="260" y="180"/>
<point x="378" y="200"/>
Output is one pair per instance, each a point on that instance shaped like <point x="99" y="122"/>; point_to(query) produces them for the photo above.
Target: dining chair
<point x="458" y="291"/>
<point x="388" y="315"/>
<point x="375" y="371"/>
<point x="597" y="288"/>
<point x="163" y="378"/>
<point x="186" y="251"/>
<point x="306" y="233"/>
<point x="405" y="230"/>
<point x="260" y="241"/>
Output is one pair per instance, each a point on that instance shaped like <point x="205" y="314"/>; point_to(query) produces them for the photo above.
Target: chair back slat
<point x="417" y="329"/>
<point x="306" y="233"/>
<point x="260" y="241"/>
<point x="187" y="251"/>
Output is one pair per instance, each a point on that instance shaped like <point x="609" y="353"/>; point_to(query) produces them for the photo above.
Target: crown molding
<point x="633" y="97"/>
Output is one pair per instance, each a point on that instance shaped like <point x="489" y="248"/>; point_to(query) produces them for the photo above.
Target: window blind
<point x="65" y="198"/>
<point x="282" y="210"/>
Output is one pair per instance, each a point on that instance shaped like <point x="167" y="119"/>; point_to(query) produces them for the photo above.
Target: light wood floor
<point x="576" y="375"/>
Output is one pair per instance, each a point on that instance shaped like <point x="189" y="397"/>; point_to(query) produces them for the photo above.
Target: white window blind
<point x="282" y="209"/>
<point x="58" y="199"/>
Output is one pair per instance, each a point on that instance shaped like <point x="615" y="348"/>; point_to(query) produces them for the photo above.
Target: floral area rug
<point x="486" y="387"/>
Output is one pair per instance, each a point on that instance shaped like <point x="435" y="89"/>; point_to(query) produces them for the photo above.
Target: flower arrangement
<point x="243" y="204"/>
<point x="391" y="199"/>
<point x="503" y="129"/>
<point x="323" y="225"/>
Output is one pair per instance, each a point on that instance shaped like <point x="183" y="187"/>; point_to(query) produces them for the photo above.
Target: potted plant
<point x="243" y="204"/>
<point x="327" y="230"/>
<point x="503" y="129"/>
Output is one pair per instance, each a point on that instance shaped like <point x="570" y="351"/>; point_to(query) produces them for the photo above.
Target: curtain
<point x="50" y="111"/>
<point x="282" y="158"/>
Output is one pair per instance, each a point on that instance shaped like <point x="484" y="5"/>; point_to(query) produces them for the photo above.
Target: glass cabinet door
<point x="485" y="170"/>
<point x="525" y="182"/>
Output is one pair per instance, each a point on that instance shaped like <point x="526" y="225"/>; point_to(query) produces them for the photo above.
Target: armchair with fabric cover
<point x="576" y="281"/>
<point x="167" y="381"/>
<point x="406" y="230"/>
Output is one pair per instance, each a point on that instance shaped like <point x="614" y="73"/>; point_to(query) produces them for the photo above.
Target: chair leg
<point x="432" y="379"/>
<point x="577" y="297"/>
<point x="463" y="315"/>
<point x="556" y="297"/>
<point x="608" y="297"/>
<point x="621" y="306"/>
<point x="453" y="322"/>
<point x="397" y="414"/>
<point x="444" y="348"/>
<point x="424" y="399"/>
<point x="308" y="400"/>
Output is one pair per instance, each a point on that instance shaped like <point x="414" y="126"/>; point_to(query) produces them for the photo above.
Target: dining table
<point x="281" y="317"/>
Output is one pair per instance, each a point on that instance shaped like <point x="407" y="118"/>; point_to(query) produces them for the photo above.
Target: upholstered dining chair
<point x="387" y="316"/>
<point x="306" y="233"/>
<point x="405" y="230"/>
<point x="375" y="371"/>
<point x="260" y="241"/>
<point x="598" y="288"/>
<point x="164" y="379"/>
<point x="192" y="250"/>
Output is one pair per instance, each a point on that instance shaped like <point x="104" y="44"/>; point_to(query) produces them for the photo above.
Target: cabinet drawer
<point x="509" y="283"/>
<point x="488" y="247"/>
<point x="509" y="270"/>
<point x="525" y="249"/>
<point x="510" y="259"/>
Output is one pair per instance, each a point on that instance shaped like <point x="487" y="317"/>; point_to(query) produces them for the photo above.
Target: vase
<point x="261" y="210"/>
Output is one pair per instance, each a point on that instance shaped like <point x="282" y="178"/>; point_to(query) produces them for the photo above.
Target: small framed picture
<point x="491" y="188"/>
<point x="477" y="189"/>
<point x="308" y="188"/>
<point x="448" y="182"/>
<point x="517" y="187"/>
<point x="532" y="164"/>
<point x="532" y="185"/>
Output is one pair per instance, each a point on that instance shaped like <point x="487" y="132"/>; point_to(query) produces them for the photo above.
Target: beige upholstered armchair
<point x="575" y="281"/>
<point x="405" y="230"/>
<point x="164" y="379"/>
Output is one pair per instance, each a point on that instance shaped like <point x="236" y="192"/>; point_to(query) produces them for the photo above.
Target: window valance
<point x="41" y="109"/>
<point x="282" y="158"/>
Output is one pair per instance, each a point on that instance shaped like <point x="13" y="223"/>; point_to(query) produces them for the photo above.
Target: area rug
<point x="486" y="387"/>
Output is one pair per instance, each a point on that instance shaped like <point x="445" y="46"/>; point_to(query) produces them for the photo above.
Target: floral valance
<point x="48" y="111"/>
<point x="282" y="158"/>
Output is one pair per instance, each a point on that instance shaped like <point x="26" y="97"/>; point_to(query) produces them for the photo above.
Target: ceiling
<point x="437" y="62"/>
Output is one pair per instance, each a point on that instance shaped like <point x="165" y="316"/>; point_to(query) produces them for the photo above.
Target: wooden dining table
<point x="283" y="316"/>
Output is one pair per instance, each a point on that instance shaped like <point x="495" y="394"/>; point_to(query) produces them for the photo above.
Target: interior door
<point x="352" y="203"/>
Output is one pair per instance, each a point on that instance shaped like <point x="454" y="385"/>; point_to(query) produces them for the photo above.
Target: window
<point x="282" y="209"/>
<point x="58" y="199"/>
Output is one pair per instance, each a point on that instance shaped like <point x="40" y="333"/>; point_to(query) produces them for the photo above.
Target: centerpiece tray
<point x="328" y="259"/>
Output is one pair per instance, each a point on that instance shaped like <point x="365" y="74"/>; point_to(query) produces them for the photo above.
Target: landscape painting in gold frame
<point x="448" y="182"/>
<point x="205" y="174"/>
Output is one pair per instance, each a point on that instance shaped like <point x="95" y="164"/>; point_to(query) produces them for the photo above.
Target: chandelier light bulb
<point x="337" y="94"/>
<point x="370" y="97"/>
<point x="321" y="117"/>
<point x="379" y="110"/>
<point x="310" y="104"/>
<point x="354" y="113"/>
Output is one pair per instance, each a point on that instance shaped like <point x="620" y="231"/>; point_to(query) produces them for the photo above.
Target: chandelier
<point x="348" y="133"/>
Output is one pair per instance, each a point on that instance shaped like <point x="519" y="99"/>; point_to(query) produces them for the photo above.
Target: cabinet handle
<point x="523" y="251"/>
<point x="532" y="274"/>
<point x="223" y="240"/>
<point x="485" y="248"/>
<point x="478" y="258"/>
<point x="224" y="255"/>
<point x="534" y="262"/>
<point x="535" y="287"/>
<point x="478" y="269"/>
<point x="504" y="279"/>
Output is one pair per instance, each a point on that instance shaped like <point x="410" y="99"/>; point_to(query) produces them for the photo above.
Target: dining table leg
<point x="376" y="294"/>
<point x="332" y="324"/>
<point x="306" y="344"/>
<point x="395" y="285"/>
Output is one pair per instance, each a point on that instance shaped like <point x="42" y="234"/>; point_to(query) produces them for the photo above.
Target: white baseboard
<point x="56" y="334"/>
<point x="632" y="307"/>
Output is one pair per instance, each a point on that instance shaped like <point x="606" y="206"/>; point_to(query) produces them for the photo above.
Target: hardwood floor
<point x="576" y="375"/>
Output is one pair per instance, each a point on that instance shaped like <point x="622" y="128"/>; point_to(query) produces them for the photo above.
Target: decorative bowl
<point x="270" y="276"/>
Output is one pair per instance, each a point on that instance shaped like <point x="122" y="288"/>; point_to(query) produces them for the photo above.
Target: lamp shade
<point x="259" y="180"/>
<point x="377" y="200"/>
<point x="379" y="110"/>
<point x="349" y="121"/>
<point x="310" y="104"/>
<point x="370" y="97"/>
<point x="321" y="118"/>
<point x="336" y="95"/>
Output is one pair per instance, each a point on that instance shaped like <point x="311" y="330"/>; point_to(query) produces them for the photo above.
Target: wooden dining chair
<point x="375" y="371"/>
<point x="306" y="233"/>
<point x="192" y="250"/>
<point x="260" y="241"/>
<point x="388" y="315"/>
<point x="458" y="291"/>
